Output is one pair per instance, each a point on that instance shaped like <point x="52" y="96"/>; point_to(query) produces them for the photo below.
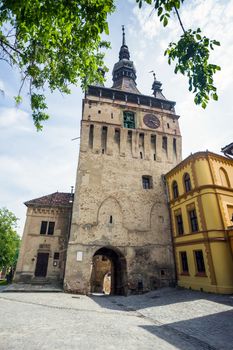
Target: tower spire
<point x="124" y="72"/>
<point x="124" y="51"/>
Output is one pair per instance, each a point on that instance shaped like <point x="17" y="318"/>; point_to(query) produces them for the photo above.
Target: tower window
<point x="141" y="140"/>
<point x="110" y="219"/>
<point x="129" y="136"/>
<point x="147" y="182"/>
<point x="91" y="136"/>
<point x="153" y="139"/>
<point x="99" y="111"/>
<point x="141" y="155"/>
<point x="168" y="126"/>
<point x="117" y="136"/>
<point x="129" y="120"/>
<point x="56" y="256"/>
<point x="174" y="145"/>
<point x="164" y="143"/>
<point x="104" y="138"/>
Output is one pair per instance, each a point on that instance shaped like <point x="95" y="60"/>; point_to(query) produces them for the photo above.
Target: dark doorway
<point x="41" y="264"/>
<point x="109" y="273"/>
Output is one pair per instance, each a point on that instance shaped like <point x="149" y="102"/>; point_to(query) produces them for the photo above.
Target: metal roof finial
<point x="123" y="35"/>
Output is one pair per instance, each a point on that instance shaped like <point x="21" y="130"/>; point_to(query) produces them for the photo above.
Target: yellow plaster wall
<point x="227" y="165"/>
<point x="222" y="260"/>
<point x="202" y="172"/>
<point x="192" y="280"/>
<point x="214" y="207"/>
<point x="211" y="210"/>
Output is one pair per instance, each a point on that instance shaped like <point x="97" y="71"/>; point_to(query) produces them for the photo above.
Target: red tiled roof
<point x="57" y="199"/>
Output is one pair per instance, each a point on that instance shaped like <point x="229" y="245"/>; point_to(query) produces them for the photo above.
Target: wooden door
<point x="42" y="264"/>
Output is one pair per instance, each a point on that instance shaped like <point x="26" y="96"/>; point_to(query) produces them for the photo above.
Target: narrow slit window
<point x="104" y="138"/>
<point x="174" y="145"/>
<point x="141" y="140"/>
<point x="91" y="136"/>
<point x="164" y="143"/>
<point x="117" y="136"/>
<point x="129" y="136"/>
<point x="110" y="219"/>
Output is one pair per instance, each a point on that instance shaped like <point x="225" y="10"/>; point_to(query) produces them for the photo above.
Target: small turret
<point x="156" y="87"/>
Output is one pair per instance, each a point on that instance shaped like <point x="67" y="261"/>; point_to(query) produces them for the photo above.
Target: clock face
<point x="151" y="121"/>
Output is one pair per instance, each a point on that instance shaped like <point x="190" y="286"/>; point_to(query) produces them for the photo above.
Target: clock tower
<point x="120" y="241"/>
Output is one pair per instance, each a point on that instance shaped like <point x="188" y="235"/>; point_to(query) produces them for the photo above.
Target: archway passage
<point x="109" y="275"/>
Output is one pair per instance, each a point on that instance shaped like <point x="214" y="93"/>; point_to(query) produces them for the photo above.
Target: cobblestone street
<point x="164" y="319"/>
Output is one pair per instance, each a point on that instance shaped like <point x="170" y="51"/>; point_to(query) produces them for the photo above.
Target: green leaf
<point x="165" y="21"/>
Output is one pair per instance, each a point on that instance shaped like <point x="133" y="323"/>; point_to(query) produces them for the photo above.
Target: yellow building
<point x="200" y="192"/>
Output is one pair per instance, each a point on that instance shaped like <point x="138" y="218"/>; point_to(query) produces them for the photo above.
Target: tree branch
<point x="3" y="42"/>
<point x="181" y="24"/>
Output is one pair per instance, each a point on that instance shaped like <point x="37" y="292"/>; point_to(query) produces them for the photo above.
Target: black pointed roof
<point x="124" y="72"/>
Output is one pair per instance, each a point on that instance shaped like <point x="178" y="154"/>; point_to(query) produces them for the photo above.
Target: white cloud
<point x="14" y="118"/>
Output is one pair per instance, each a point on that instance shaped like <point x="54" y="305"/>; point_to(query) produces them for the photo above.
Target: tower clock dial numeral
<point x="151" y="121"/>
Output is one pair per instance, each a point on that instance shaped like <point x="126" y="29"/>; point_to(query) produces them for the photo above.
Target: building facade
<point x="42" y="255"/>
<point x="201" y="205"/>
<point x="120" y="227"/>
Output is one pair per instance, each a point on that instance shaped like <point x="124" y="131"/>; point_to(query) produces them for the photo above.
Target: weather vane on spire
<point x="152" y="71"/>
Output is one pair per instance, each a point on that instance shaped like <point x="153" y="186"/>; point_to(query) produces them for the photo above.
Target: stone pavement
<point x="27" y="287"/>
<point x="163" y="319"/>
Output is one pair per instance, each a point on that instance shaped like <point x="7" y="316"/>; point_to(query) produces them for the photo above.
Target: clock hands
<point x="153" y="122"/>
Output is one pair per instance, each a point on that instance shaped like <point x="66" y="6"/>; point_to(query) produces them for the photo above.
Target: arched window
<point x="175" y="190"/>
<point x="224" y="177"/>
<point x="187" y="182"/>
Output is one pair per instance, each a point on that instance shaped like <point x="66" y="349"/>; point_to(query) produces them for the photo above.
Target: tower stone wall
<point x="111" y="207"/>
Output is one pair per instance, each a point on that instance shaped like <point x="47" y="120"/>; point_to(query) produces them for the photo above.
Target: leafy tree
<point x="58" y="43"/>
<point x="53" y="43"/>
<point x="9" y="239"/>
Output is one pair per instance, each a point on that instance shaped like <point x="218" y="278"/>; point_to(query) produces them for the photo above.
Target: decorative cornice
<point x="198" y="156"/>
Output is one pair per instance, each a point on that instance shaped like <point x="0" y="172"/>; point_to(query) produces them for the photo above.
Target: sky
<point x="33" y="164"/>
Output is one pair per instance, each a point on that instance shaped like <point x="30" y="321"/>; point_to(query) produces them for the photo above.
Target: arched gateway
<point x="109" y="273"/>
